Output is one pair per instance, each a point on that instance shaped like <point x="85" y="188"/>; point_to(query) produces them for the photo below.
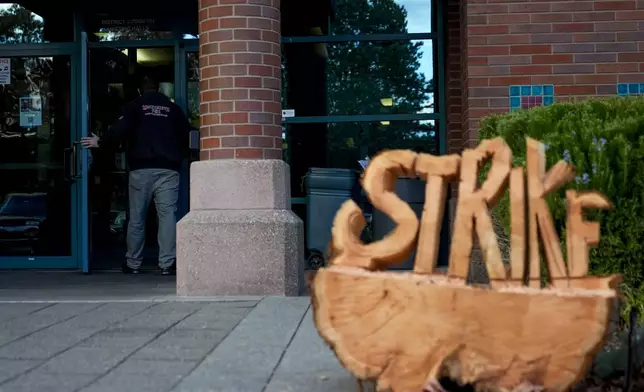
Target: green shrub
<point x="604" y="140"/>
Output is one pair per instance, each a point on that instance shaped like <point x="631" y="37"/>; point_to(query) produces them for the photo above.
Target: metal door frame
<point x="73" y="260"/>
<point x="181" y="48"/>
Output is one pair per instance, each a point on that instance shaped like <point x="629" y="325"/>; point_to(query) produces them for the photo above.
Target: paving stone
<point x="155" y="367"/>
<point x="120" y="338"/>
<point x="215" y="316"/>
<point x="107" y="315"/>
<point x="160" y="316"/>
<point x="133" y="383"/>
<point x="233" y="304"/>
<point x="310" y="383"/>
<point x="143" y="375"/>
<point x="42" y="382"/>
<point x="44" y="344"/>
<point x="12" y="367"/>
<point x="10" y="311"/>
<point x="16" y="328"/>
<point x="182" y="344"/>
<point x="310" y="365"/>
<point x="177" y="307"/>
<point x="86" y="360"/>
<point x="229" y="382"/>
<point x="246" y="358"/>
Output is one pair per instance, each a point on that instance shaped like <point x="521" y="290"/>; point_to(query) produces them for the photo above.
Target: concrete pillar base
<point x="240" y="237"/>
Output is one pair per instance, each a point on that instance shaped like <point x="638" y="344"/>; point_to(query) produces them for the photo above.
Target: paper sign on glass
<point x="5" y="71"/>
<point x="31" y="111"/>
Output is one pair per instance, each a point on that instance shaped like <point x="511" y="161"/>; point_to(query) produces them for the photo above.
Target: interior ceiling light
<point x="319" y="47"/>
<point x="387" y="101"/>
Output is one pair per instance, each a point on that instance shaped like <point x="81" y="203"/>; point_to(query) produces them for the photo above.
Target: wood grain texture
<point x="404" y="330"/>
<point x="472" y="214"/>
<point x="581" y="234"/>
<point x="436" y="171"/>
<point x="541" y="228"/>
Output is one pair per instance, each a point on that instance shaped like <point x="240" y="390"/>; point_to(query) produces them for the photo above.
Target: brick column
<point x="240" y="236"/>
<point x="240" y="60"/>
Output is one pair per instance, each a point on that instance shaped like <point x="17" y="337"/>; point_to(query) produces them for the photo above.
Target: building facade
<point x="274" y="88"/>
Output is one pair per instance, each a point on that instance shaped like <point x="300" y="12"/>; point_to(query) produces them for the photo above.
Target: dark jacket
<point x="155" y="131"/>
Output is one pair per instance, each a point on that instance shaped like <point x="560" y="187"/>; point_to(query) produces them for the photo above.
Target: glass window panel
<point x="348" y="143"/>
<point x="359" y="78"/>
<point x="356" y="17"/>
<point x="35" y="158"/>
<point x="19" y="25"/>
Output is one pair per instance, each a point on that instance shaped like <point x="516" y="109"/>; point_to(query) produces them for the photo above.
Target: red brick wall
<point x="584" y="48"/>
<point x="240" y="63"/>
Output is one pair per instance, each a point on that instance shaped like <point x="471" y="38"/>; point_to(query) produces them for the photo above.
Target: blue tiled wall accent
<point x="525" y="97"/>
<point x="624" y="89"/>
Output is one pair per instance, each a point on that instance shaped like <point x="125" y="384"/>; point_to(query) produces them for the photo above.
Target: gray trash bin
<point x="411" y="191"/>
<point x="326" y="189"/>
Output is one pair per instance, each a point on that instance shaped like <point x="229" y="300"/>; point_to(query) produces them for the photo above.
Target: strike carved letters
<point x="380" y="183"/>
<point x="472" y="209"/>
<point x="528" y="212"/>
<point x="518" y="245"/>
<point x="540" y="221"/>
<point x="436" y="171"/>
<point x="581" y="234"/>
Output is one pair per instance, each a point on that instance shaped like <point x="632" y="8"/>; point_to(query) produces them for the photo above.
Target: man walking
<point x="156" y="133"/>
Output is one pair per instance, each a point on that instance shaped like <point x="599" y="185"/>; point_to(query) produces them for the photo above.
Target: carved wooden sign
<point x="406" y="331"/>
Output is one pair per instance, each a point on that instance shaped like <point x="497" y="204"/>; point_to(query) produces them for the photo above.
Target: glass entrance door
<point x="38" y="163"/>
<point x="115" y="73"/>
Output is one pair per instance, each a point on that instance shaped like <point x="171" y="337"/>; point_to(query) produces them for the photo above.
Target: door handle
<point x="67" y="152"/>
<point x="70" y="162"/>
<point x="75" y="172"/>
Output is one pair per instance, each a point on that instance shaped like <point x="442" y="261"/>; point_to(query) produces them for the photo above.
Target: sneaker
<point x="129" y="270"/>
<point x="171" y="270"/>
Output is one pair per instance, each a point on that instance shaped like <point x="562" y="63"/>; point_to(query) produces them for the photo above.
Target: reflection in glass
<point x="35" y="130"/>
<point x="351" y="142"/>
<point x="359" y="78"/>
<point x="360" y="17"/>
<point x="19" y="25"/>
<point x="348" y="143"/>
<point x="356" y="17"/>
<point x="130" y="33"/>
<point x="380" y="78"/>
<point x="193" y="89"/>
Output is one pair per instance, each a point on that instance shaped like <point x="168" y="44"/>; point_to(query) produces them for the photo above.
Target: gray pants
<point x="162" y="186"/>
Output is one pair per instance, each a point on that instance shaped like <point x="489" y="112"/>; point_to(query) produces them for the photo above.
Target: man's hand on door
<point x="90" y="141"/>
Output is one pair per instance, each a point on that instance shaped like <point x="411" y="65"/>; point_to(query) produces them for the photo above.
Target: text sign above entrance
<point x="127" y="22"/>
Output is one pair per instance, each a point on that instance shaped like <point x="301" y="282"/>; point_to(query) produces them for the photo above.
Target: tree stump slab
<point x="406" y="330"/>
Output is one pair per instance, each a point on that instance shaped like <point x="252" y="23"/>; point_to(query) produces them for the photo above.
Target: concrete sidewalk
<point x="256" y="345"/>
